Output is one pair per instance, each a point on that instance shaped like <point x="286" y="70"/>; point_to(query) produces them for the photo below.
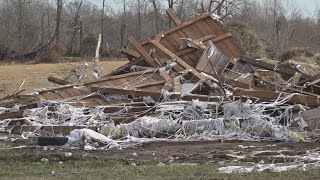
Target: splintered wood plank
<point x="178" y="60"/>
<point x="143" y="52"/>
<point x="173" y="17"/>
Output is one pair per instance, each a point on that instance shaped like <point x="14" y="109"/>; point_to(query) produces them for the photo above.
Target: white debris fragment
<point x="68" y="154"/>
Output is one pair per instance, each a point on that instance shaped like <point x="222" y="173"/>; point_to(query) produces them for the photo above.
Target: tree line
<point x="71" y="27"/>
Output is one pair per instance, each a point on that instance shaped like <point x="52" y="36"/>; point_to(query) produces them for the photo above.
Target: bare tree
<point x="155" y="8"/>
<point x="76" y="25"/>
<point x="123" y="24"/>
<point x="58" y="19"/>
<point x="223" y="8"/>
<point x="102" y="25"/>
<point x="139" y="20"/>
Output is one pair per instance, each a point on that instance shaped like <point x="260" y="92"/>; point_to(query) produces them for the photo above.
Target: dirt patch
<point x="182" y="152"/>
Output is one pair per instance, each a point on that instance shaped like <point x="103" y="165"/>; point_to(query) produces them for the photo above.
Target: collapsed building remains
<point x="192" y="80"/>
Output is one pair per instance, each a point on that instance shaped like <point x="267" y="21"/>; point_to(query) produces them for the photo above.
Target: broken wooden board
<point x="143" y="52"/>
<point x="201" y="28"/>
<point x="212" y="60"/>
<point x="131" y="54"/>
<point x="272" y="96"/>
<point x="157" y="95"/>
<point x="178" y="60"/>
<point x="173" y="16"/>
<point x="58" y="81"/>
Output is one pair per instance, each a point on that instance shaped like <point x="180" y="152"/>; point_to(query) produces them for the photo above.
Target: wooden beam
<point x="58" y="81"/>
<point x="173" y="17"/>
<point x="124" y="67"/>
<point x="205" y="41"/>
<point x="220" y="38"/>
<point x="131" y="109"/>
<point x="97" y="81"/>
<point x="143" y="52"/>
<point x="11" y="115"/>
<point x="158" y="36"/>
<point x="123" y="91"/>
<point x="156" y="95"/>
<point x="148" y="84"/>
<point x="178" y="60"/>
<point x="271" y="96"/>
<point x="271" y="67"/>
<point x="165" y="75"/>
<point x="131" y="54"/>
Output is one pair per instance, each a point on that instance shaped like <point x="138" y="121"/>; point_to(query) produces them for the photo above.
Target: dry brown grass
<point x="36" y="75"/>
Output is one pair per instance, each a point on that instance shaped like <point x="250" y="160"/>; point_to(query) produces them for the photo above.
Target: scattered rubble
<point x="190" y="82"/>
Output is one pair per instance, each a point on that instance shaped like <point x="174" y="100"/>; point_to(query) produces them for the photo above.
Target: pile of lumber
<point x="196" y="60"/>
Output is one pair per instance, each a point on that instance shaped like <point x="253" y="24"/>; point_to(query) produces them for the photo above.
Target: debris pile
<point x="192" y="81"/>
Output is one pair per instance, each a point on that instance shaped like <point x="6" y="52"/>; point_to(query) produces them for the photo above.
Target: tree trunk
<point x="123" y="24"/>
<point x="139" y="20"/>
<point x="154" y="4"/>
<point x="58" y="19"/>
<point x="20" y="27"/>
<point x="81" y="38"/>
<point x="75" y="28"/>
<point x="102" y="27"/>
<point x="181" y="10"/>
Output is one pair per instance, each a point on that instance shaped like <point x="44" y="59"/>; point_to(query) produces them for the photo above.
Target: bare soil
<point x="186" y="152"/>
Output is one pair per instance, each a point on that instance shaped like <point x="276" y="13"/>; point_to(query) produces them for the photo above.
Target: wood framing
<point x="143" y="52"/>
